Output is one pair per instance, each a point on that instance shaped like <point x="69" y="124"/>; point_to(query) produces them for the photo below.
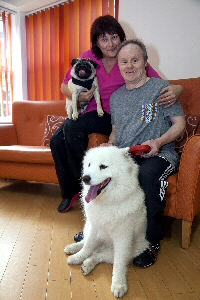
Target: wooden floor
<point x="33" y="265"/>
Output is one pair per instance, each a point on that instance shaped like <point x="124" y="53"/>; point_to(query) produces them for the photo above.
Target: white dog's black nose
<point x="86" y="179"/>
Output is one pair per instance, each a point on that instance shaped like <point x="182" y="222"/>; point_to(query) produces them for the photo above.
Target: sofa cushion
<point x="52" y="123"/>
<point x="26" y="154"/>
<point x="192" y="123"/>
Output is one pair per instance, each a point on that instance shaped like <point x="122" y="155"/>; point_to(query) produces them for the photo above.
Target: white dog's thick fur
<point x="115" y="225"/>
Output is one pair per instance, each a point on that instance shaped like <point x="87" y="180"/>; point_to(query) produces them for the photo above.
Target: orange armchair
<point x="183" y="193"/>
<point x="22" y="154"/>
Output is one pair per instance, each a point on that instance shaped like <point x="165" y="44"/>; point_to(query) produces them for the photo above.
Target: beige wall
<point x="171" y="31"/>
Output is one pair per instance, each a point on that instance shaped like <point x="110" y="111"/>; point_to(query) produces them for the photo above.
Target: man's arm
<point x="176" y="130"/>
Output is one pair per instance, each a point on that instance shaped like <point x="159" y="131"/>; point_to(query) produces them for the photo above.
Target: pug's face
<point x="83" y="69"/>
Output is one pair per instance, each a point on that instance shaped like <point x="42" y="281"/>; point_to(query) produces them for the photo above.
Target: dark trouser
<point x="152" y="175"/>
<point x="68" y="145"/>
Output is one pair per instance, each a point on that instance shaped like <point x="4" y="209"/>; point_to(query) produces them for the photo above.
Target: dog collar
<point x="86" y="83"/>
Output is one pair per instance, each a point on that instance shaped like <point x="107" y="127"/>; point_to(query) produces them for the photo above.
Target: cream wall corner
<point x="19" y="57"/>
<point x="170" y="30"/>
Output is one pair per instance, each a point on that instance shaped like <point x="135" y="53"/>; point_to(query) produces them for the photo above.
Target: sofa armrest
<point x="8" y="135"/>
<point x="188" y="183"/>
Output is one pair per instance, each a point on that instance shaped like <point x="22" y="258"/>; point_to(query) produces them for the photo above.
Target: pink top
<point x="108" y="83"/>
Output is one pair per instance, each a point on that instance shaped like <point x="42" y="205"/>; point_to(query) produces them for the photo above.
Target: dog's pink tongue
<point x="82" y="72"/>
<point x="92" y="193"/>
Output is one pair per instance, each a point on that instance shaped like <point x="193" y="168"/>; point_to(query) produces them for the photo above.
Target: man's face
<point x="131" y="63"/>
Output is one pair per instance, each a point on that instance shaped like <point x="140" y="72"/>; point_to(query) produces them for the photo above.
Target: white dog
<point x="115" y="214"/>
<point x="83" y="76"/>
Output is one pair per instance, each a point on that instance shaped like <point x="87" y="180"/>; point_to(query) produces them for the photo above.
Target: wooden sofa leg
<point x="186" y="233"/>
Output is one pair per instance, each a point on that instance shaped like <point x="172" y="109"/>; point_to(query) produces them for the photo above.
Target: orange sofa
<point x="23" y="157"/>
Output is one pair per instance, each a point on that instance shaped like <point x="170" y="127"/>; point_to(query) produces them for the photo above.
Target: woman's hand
<point x="87" y="95"/>
<point x="170" y="94"/>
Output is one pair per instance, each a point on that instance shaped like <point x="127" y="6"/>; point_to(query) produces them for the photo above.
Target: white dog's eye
<point x="101" y="167"/>
<point x="89" y="165"/>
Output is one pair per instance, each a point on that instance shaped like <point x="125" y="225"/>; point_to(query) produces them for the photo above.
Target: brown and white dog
<point x="83" y="77"/>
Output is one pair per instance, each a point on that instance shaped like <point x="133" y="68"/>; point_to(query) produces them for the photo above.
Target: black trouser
<point x="68" y="145"/>
<point x="152" y="174"/>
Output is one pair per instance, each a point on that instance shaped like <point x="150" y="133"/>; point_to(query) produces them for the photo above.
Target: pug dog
<point x="83" y="77"/>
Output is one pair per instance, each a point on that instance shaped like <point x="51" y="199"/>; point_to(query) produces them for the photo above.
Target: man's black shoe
<point x="78" y="237"/>
<point x="148" y="257"/>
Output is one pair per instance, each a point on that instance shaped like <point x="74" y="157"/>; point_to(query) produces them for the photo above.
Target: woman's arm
<point x="170" y="94"/>
<point x="65" y="90"/>
<point x="176" y="130"/>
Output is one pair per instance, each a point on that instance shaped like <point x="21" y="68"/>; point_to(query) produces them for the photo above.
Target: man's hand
<point x="155" y="146"/>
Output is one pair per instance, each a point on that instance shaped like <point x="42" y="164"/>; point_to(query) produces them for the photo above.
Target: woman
<point x="138" y="119"/>
<point x="70" y="142"/>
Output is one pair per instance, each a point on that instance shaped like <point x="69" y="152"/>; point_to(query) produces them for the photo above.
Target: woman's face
<point x="109" y="44"/>
<point x="131" y="63"/>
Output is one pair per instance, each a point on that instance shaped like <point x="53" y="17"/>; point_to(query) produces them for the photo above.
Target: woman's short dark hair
<point x="101" y="26"/>
<point x="135" y="42"/>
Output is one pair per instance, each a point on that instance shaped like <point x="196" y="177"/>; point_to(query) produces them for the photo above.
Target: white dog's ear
<point x="125" y="151"/>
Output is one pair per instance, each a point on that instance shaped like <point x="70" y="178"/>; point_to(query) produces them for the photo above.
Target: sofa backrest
<point x="29" y="119"/>
<point x="29" y="116"/>
<point x="190" y="99"/>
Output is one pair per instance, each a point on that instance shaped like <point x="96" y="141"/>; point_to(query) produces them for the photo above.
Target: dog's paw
<point x="100" y="113"/>
<point x="72" y="249"/>
<point x="75" y="116"/>
<point x="74" y="260"/>
<point x="119" y="289"/>
<point x="88" y="266"/>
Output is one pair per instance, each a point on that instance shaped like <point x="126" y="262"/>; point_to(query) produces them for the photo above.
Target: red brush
<point x="139" y="149"/>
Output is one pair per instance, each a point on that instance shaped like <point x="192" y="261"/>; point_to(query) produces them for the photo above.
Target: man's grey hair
<point x="135" y="42"/>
